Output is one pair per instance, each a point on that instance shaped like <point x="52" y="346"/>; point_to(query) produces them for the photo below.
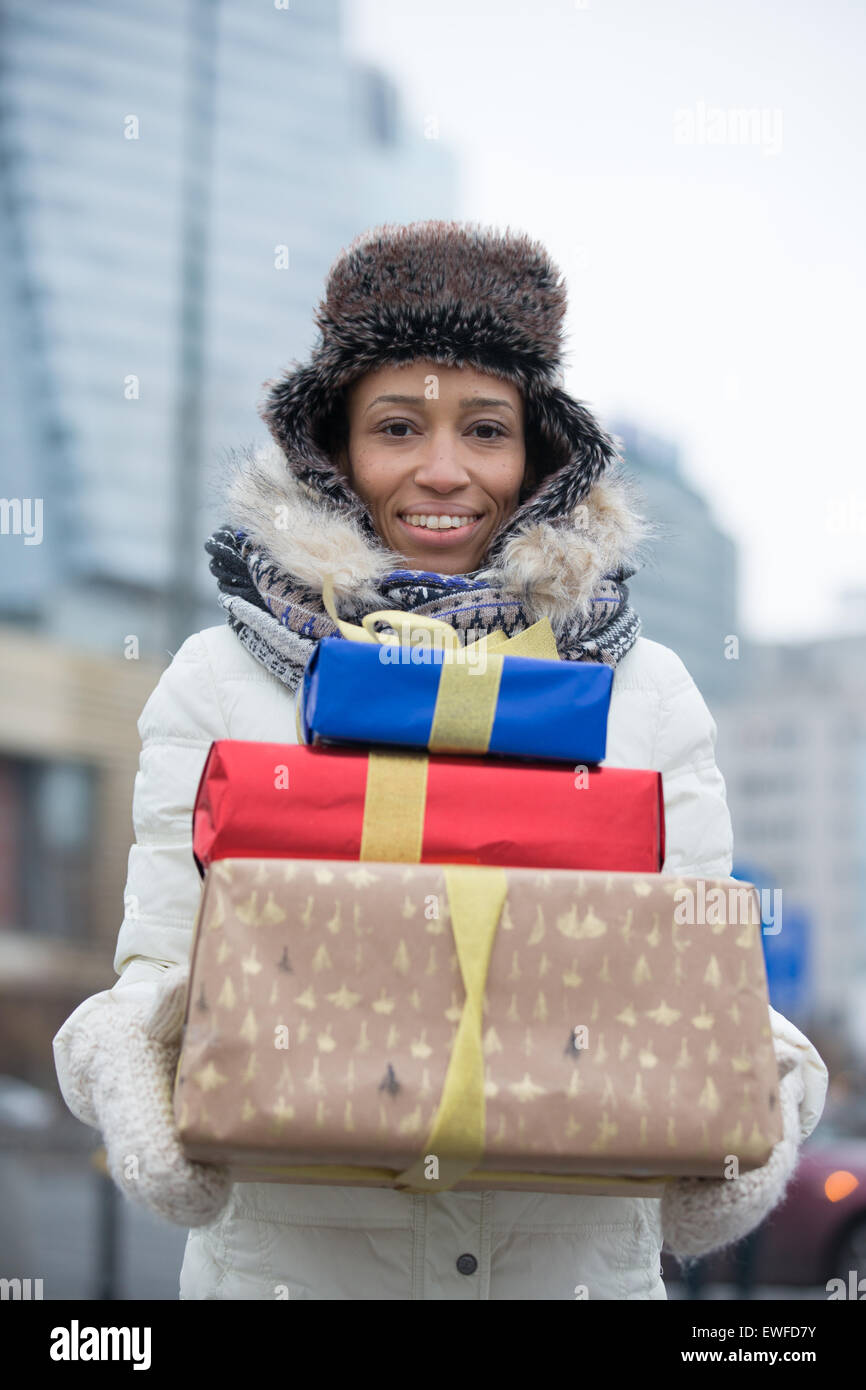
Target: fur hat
<point x="460" y="294"/>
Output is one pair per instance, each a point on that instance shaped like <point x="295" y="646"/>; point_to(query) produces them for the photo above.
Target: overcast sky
<point x="716" y="275"/>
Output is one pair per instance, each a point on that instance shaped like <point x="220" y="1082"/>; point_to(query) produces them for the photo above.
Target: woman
<point x="425" y="459"/>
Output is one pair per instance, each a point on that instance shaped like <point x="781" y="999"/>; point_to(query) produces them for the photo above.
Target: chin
<point x="440" y="564"/>
<point x="439" y="559"/>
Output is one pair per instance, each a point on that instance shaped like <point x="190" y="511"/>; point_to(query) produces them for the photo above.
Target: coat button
<point x="467" y="1264"/>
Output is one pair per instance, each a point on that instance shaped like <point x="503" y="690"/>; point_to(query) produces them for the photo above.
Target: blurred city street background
<point x="176" y="177"/>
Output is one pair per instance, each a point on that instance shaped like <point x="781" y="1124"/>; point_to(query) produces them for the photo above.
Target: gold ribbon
<point x="465" y="707"/>
<point x="394" y="807"/>
<point x="456" y="1140"/>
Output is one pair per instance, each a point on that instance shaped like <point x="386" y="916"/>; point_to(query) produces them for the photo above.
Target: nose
<point x="438" y="465"/>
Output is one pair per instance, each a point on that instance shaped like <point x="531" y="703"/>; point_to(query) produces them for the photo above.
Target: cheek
<point x="505" y="486"/>
<point x="370" y="477"/>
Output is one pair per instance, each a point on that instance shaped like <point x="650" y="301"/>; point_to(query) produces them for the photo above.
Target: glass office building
<point x="177" y="179"/>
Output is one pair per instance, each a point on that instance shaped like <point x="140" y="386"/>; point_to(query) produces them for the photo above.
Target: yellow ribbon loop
<point x="475" y="898"/>
<point x="536" y="641"/>
<point x="410" y="626"/>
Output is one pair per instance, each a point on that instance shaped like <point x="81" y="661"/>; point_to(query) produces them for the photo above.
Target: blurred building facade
<point x="175" y="181"/>
<point x="791" y="722"/>
<point x="792" y="747"/>
<point x="686" y="594"/>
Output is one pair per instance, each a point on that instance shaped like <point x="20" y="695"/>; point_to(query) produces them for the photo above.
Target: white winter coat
<point x="354" y="1243"/>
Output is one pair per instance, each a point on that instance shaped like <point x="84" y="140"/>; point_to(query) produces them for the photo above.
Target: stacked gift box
<point x="435" y="949"/>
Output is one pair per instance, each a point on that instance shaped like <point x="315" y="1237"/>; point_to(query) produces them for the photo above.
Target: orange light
<point x="840" y="1184"/>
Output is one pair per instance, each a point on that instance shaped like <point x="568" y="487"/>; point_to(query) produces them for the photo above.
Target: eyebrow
<point x="420" y="400"/>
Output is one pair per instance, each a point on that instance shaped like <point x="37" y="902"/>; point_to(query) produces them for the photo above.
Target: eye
<point x="491" y="425"/>
<point x="396" y="424"/>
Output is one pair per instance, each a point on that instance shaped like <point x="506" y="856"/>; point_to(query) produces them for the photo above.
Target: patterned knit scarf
<point x="279" y="622"/>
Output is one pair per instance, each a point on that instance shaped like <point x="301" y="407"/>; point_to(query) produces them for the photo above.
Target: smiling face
<point x="437" y="454"/>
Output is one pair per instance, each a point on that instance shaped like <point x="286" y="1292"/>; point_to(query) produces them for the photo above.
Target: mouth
<point x="440" y="528"/>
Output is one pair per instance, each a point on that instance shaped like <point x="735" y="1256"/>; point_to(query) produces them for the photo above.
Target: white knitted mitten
<point x="119" y="1068"/>
<point x="704" y="1214"/>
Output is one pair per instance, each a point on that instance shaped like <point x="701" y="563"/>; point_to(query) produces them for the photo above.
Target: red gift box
<point x="263" y="800"/>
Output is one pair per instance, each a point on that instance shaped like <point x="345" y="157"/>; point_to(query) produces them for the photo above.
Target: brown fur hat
<point x="463" y="295"/>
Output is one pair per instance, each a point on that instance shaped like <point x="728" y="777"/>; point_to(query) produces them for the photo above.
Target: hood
<point x="453" y="293"/>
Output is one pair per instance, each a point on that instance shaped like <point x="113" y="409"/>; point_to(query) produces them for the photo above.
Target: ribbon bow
<point x="535" y="641"/>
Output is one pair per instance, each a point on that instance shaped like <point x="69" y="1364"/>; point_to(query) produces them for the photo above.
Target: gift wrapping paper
<point x="430" y="1027"/>
<point x="518" y="706"/>
<point x="273" y="799"/>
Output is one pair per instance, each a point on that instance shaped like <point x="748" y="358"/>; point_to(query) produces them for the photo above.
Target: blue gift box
<point x="355" y="692"/>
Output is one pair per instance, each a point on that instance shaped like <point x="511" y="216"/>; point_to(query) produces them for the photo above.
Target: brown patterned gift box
<point x="428" y="1027"/>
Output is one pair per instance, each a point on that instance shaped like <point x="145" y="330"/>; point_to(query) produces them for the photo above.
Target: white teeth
<point x="439" y="523"/>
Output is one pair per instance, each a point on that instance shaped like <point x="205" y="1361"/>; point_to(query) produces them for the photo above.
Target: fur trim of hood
<point x="553" y="566"/>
